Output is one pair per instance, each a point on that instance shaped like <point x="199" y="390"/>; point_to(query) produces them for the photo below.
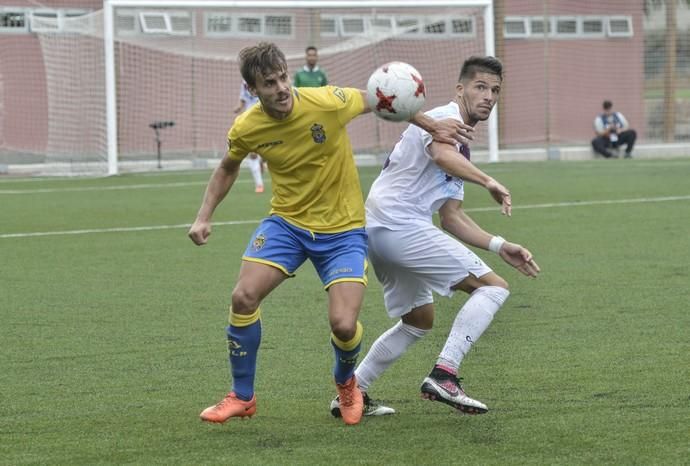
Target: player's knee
<point x="496" y="293"/>
<point x="244" y="301"/>
<point x="343" y="329"/>
<point x="493" y="279"/>
<point x="421" y="318"/>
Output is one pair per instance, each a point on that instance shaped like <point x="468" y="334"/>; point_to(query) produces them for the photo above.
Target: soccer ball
<point x="395" y="91"/>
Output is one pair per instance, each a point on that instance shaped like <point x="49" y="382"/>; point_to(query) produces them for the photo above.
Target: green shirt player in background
<point x="310" y="75"/>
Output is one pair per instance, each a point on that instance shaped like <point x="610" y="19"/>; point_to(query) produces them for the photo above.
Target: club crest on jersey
<point x="259" y="242"/>
<point x="318" y="134"/>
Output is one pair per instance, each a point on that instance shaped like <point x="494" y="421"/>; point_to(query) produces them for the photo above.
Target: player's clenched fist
<point x="199" y="232"/>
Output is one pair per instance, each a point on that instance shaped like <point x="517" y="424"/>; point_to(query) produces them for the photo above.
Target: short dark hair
<point x="475" y="64"/>
<point x="311" y="47"/>
<point x="264" y="58"/>
<point x="607" y="105"/>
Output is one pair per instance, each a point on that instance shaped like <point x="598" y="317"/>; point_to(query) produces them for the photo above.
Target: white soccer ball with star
<point x="395" y="91"/>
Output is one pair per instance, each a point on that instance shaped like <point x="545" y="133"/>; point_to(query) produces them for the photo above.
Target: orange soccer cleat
<point x="259" y="189"/>
<point x="351" y="401"/>
<point x="230" y="406"/>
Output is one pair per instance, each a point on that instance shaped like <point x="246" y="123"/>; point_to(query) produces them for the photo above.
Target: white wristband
<point x="496" y="243"/>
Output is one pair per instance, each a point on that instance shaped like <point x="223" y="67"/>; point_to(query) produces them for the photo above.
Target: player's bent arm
<point x="455" y="221"/>
<point x="447" y="157"/>
<point x="219" y="185"/>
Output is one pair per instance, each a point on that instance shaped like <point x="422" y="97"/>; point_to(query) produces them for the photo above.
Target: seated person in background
<point x="612" y="131"/>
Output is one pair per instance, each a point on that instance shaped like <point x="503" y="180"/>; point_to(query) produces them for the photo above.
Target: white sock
<point x="255" y="168"/>
<point x="385" y="351"/>
<point x="472" y="319"/>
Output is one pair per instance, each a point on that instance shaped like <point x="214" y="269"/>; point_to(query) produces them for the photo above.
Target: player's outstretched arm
<point x="219" y="185"/>
<point x="447" y="157"/>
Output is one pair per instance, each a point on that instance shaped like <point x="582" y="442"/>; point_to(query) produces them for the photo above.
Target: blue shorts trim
<point x="337" y="257"/>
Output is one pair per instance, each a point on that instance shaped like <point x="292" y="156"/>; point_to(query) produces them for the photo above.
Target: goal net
<point x="174" y="65"/>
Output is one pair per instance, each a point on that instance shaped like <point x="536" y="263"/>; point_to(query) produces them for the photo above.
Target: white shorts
<point x="413" y="263"/>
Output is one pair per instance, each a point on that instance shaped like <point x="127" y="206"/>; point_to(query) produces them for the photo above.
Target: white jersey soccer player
<point x="253" y="161"/>
<point x="410" y="255"/>
<point x="413" y="258"/>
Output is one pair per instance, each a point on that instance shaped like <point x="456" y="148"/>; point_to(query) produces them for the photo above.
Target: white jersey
<point x="411" y="187"/>
<point x="247" y="96"/>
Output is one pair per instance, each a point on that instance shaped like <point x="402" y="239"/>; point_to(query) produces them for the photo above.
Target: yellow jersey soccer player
<point x="317" y="213"/>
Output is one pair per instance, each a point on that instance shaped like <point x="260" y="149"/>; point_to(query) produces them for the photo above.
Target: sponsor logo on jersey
<point x="268" y="144"/>
<point x="318" y="134"/>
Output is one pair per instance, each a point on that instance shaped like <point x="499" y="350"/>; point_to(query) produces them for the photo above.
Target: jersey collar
<point x="456" y="107"/>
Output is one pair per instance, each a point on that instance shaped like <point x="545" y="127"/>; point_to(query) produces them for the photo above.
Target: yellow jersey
<point x="309" y="157"/>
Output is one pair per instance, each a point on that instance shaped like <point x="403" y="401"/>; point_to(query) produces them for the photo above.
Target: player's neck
<point x="465" y="114"/>
<point x="277" y="115"/>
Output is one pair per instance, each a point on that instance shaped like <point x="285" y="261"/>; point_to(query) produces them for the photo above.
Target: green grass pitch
<point x="112" y="330"/>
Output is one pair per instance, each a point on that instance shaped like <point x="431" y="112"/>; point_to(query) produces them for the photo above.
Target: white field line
<point x="587" y="203"/>
<point x="111" y="188"/>
<point x="118" y="229"/>
<point x="246" y="222"/>
<point x="488" y="167"/>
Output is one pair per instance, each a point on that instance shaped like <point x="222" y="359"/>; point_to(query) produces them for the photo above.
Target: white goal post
<point x="109" y="7"/>
<point x="422" y="6"/>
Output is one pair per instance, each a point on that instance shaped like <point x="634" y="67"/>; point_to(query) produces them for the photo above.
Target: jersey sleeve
<point x="426" y="137"/>
<point x="348" y="102"/>
<point x="236" y="149"/>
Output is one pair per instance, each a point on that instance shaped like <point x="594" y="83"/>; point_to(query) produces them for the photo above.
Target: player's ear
<point x="459" y="89"/>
